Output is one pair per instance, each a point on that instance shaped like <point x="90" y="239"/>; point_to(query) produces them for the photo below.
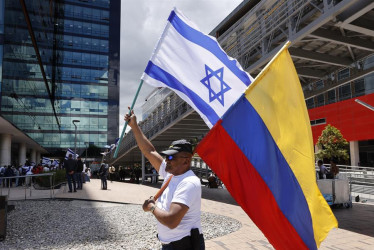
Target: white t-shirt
<point x="185" y="189"/>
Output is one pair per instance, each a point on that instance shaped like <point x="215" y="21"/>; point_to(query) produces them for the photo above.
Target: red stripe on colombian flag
<point x="218" y="149"/>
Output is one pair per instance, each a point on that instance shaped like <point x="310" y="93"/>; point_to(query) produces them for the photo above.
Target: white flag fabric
<point x="70" y="152"/>
<point x="194" y="66"/>
<point x="55" y="163"/>
<point x="46" y="161"/>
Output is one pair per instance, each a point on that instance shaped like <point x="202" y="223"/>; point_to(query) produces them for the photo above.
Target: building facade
<point x="59" y="63"/>
<point x="332" y="48"/>
<point x="338" y="106"/>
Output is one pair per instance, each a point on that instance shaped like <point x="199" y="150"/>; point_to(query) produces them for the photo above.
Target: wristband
<point x="152" y="209"/>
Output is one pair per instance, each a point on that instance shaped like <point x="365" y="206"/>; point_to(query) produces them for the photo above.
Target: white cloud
<point x="142" y="22"/>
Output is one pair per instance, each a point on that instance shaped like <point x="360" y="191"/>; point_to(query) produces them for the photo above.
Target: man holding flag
<point x="178" y="209"/>
<point x="260" y="145"/>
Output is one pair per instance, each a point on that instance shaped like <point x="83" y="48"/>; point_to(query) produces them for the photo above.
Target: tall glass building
<point x="59" y="62"/>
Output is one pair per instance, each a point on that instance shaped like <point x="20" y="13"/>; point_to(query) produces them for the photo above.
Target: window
<point x="318" y="122"/>
<point x="331" y="96"/>
<point x="369" y="84"/>
<point x="320" y="100"/>
<point x="369" y="62"/>
<point x="342" y="74"/>
<point x="345" y="92"/>
<point x="359" y="87"/>
<point x="310" y="103"/>
<point x="86" y="27"/>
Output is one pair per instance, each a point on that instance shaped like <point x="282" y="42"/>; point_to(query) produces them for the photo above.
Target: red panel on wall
<point x="354" y="121"/>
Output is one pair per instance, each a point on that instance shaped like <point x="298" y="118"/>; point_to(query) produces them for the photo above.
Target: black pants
<point x="185" y="244"/>
<point x="103" y="183"/>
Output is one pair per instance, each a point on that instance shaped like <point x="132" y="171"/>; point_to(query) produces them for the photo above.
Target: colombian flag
<point x="262" y="149"/>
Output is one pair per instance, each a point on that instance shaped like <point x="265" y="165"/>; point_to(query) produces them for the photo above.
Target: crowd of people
<point x="23" y="173"/>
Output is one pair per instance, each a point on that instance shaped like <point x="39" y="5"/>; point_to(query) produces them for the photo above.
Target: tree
<point x="332" y="145"/>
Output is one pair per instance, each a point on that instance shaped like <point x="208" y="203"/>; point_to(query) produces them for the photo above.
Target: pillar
<point x="22" y="154"/>
<point x="37" y="157"/>
<point x="5" y="149"/>
<point x="33" y="156"/>
<point x="354" y="152"/>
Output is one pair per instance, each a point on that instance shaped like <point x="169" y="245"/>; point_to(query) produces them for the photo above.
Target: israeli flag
<point x="112" y="146"/>
<point x="194" y="65"/>
<point x="46" y="161"/>
<point x="70" y="152"/>
<point x="55" y="163"/>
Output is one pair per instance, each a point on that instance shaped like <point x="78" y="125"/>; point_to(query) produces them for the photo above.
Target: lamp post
<point x="75" y="141"/>
<point x="86" y="152"/>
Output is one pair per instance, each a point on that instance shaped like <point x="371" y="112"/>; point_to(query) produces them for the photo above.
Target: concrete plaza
<point x="356" y="225"/>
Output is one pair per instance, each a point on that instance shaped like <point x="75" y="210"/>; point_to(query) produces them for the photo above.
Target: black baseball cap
<point x="178" y="146"/>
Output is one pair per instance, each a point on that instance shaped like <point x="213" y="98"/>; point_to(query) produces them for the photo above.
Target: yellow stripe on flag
<point x="277" y="96"/>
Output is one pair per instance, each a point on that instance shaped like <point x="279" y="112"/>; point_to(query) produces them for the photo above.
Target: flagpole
<point x="124" y="127"/>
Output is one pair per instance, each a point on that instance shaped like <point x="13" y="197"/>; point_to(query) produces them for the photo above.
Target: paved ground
<point x="356" y="225"/>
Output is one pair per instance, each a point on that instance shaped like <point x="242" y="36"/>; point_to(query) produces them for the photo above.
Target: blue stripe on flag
<point x="207" y="43"/>
<point x="161" y="75"/>
<point x="247" y="129"/>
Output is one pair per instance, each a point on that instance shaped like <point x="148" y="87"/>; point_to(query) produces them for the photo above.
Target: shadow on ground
<point x="357" y="219"/>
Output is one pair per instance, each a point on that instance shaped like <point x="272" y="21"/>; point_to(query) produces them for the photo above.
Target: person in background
<point x="78" y="174"/>
<point x="84" y="173"/>
<point x="112" y="171"/>
<point x="334" y="169"/>
<point x="27" y="170"/>
<point x="103" y="172"/>
<point x="322" y="170"/>
<point x="46" y="168"/>
<point x="70" y="167"/>
<point x="16" y="173"/>
<point x="155" y="175"/>
<point x="88" y="174"/>
<point x="2" y="171"/>
<point x="8" y="173"/>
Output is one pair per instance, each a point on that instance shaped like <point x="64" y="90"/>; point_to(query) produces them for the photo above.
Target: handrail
<point x="51" y="180"/>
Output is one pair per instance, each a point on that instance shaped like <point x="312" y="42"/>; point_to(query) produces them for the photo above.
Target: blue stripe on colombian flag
<point x="240" y="177"/>
<point x="277" y="205"/>
<point x="263" y="153"/>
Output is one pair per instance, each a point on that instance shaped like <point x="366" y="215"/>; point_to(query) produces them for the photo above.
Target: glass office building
<point x="59" y="62"/>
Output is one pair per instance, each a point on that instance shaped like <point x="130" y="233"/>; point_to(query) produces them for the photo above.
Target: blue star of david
<point x="224" y="87"/>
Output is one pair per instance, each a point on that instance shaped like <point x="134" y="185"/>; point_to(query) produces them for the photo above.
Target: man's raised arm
<point x="144" y="144"/>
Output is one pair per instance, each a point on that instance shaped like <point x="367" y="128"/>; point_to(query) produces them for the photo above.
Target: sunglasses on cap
<point x="172" y="157"/>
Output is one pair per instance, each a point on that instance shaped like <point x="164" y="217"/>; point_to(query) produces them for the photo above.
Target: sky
<point x="142" y="22"/>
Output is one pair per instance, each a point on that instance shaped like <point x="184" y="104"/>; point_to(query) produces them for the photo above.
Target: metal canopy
<point x="172" y="120"/>
<point x="326" y="36"/>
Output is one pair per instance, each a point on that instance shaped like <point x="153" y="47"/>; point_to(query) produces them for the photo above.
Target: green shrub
<point x="58" y="178"/>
